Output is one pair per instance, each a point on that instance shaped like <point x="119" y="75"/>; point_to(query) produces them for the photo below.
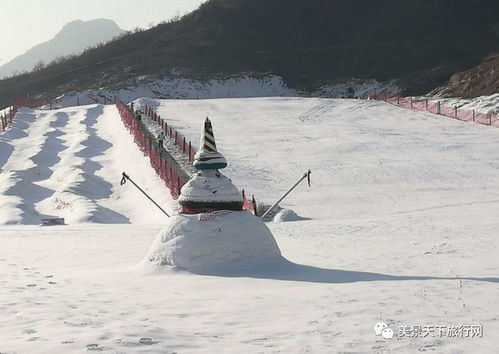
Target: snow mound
<point x="214" y="241"/>
<point x="285" y="215"/>
<point x="210" y="186"/>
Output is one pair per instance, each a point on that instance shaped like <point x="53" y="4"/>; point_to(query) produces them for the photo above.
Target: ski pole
<point x="305" y="175"/>
<point x="126" y="177"/>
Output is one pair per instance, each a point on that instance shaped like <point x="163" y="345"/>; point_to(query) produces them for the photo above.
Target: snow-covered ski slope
<point x="401" y="227"/>
<point x="68" y="163"/>
<point x="368" y="159"/>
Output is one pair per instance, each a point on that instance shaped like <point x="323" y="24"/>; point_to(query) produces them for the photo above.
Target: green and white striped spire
<point x="208" y="138"/>
<point x="208" y="158"/>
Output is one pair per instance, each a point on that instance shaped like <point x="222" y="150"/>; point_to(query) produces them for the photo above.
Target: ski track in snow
<point x="395" y="194"/>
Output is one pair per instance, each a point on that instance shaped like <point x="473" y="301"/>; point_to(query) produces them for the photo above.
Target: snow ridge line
<point x="165" y="165"/>
<point x="425" y="105"/>
<point x="19" y="183"/>
<point x="78" y="188"/>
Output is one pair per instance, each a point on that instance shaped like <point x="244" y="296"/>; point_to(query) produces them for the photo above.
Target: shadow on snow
<point x="289" y="271"/>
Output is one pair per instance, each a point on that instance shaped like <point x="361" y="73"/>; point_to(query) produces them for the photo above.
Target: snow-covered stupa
<point x="209" y="189"/>
<point x="213" y="233"/>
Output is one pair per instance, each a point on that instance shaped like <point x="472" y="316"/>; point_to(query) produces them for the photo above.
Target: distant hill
<point x="480" y="80"/>
<point x="73" y="38"/>
<point x="419" y="43"/>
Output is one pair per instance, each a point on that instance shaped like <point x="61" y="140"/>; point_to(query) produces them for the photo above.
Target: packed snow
<point x="399" y="227"/>
<point x="244" y="85"/>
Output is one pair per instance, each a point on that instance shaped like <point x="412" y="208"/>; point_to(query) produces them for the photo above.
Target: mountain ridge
<point x="420" y="44"/>
<point x="73" y="38"/>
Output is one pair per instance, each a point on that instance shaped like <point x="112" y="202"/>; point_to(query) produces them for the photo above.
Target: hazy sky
<point x="26" y="23"/>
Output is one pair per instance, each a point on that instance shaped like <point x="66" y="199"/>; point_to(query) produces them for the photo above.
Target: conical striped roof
<point x="208" y="138"/>
<point x="208" y="158"/>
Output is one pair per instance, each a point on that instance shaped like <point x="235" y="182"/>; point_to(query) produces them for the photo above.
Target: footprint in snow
<point x="94" y="347"/>
<point x="147" y="341"/>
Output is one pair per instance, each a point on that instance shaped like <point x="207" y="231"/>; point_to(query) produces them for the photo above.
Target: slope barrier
<point x="7" y="118"/>
<point x="181" y="142"/>
<point x="424" y="105"/>
<point x="163" y="163"/>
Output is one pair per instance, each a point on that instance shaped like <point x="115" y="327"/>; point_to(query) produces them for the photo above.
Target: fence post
<point x="455" y="112"/>
<point x="411" y="102"/>
<point x="398" y="100"/>
<point x="253" y="201"/>
<point x="190" y="151"/>
<point x="490" y="118"/>
<point x="426" y="105"/>
<point x="438" y="108"/>
<point x="176" y="142"/>
<point x="183" y="148"/>
<point x="473" y="119"/>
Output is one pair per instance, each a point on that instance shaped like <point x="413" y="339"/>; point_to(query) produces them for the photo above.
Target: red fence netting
<point x="171" y="173"/>
<point x="165" y="170"/>
<point x="437" y="108"/>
